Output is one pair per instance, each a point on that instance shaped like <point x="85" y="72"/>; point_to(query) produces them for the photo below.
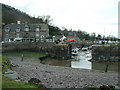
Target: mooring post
<point x="106" y="69"/>
<point x="22" y="57"/>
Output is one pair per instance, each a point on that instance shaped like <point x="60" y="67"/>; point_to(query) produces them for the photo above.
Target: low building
<point x="49" y="39"/>
<point x="25" y="32"/>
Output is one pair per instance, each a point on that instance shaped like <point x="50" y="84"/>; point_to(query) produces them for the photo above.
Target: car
<point x="85" y="48"/>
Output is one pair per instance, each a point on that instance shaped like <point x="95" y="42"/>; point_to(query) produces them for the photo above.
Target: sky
<point x="99" y="16"/>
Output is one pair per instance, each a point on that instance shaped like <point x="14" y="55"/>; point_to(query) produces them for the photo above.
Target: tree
<point x="99" y="37"/>
<point x="93" y="36"/>
<point x="54" y="30"/>
<point x="47" y="19"/>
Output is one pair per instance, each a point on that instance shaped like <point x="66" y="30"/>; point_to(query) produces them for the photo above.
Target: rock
<point x="105" y="87"/>
<point x="34" y="81"/>
<point x="47" y="71"/>
<point x="9" y="71"/>
<point x="11" y="74"/>
<point x="45" y="78"/>
<point x="112" y="87"/>
<point x="61" y="83"/>
<point x="17" y="80"/>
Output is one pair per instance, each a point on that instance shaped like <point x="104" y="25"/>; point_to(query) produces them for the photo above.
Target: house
<point x="25" y="32"/>
<point x="73" y="35"/>
<point x="49" y="39"/>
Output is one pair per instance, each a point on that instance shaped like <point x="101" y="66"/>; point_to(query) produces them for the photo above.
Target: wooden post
<point x="70" y="51"/>
<point x="106" y="69"/>
<point x="22" y="57"/>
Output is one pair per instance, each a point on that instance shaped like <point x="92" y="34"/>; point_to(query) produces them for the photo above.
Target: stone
<point x="34" y="81"/>
<point x="11" y="74"/>
<point x="105" y="87"/>
<point x="18" y="80"/>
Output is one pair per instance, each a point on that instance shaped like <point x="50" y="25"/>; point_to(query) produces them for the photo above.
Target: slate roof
<point x="50" y="37"/>
<point x="13" y="27"/>
<point x="32" y="27"/>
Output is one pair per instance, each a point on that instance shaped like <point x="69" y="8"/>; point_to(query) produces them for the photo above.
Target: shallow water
<point x="80" y="61"/>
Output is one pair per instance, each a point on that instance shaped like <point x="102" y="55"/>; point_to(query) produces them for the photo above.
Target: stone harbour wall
<point x="57" y="51"/>
<point x="105" y="53"/>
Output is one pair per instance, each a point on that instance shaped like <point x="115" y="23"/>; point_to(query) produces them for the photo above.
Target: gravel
<point x="62" y="77"/>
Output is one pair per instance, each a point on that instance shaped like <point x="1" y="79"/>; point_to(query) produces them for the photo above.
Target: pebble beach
<point x="62" y="77"/>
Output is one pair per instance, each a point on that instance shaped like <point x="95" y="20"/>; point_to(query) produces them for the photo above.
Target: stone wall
<point x="105" y="53"/>
<point x="57" y="51"/>
<point x="0" y="35"/>
<point x="62" y="51"/>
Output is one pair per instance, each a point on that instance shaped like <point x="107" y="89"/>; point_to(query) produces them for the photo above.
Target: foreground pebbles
<point x="62" y="77"/>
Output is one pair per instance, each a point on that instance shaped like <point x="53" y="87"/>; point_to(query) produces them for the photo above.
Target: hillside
<point x="11" y="15"/>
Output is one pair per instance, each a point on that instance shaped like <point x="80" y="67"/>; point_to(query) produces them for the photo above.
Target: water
<point x="80" y="61"/>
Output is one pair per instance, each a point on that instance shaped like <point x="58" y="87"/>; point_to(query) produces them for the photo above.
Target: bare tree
<point x="47" y="19"/>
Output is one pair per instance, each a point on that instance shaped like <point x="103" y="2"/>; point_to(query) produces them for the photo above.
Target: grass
<point x="0" y="72"/>
<point x="9" y="83"/>
<point x="5" y="63"/>
<point x="91" y="87"/>
<point x="26" y="54"/>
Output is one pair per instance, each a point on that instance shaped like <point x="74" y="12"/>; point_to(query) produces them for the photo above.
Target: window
<point x="37" y="29"/>
<point x="18" y="29"/>
<point x="26" y="29"/>
<point x="7" y="35"/>
<point x="37" y="35"/>
<point x="6" y="39"/>
<point x="42" y="36"/>
<point x="7" y="29"/>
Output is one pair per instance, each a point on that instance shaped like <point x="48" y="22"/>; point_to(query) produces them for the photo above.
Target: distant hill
<point x="12" y="15"/>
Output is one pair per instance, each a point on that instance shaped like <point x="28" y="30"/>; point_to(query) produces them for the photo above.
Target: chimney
<point x="18" y="22"/>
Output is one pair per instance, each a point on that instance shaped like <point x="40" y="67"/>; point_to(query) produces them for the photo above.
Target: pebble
<point x="63" y="77"/>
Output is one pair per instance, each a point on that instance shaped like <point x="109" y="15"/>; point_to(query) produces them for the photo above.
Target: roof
<point x="13" y="27"/>
<point x="58" y="36"/>
<point x="32" y="27"/>
<point x="50" y="37"/>
<point x="71" y="40"/>
<point x="76" y="38"/>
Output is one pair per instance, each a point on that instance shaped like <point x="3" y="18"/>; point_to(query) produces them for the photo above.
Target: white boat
<point x="75" y="52"/>
<point x="84" y="48"/>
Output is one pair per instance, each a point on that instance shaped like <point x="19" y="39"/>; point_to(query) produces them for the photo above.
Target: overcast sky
<point x="100" y="16"/>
